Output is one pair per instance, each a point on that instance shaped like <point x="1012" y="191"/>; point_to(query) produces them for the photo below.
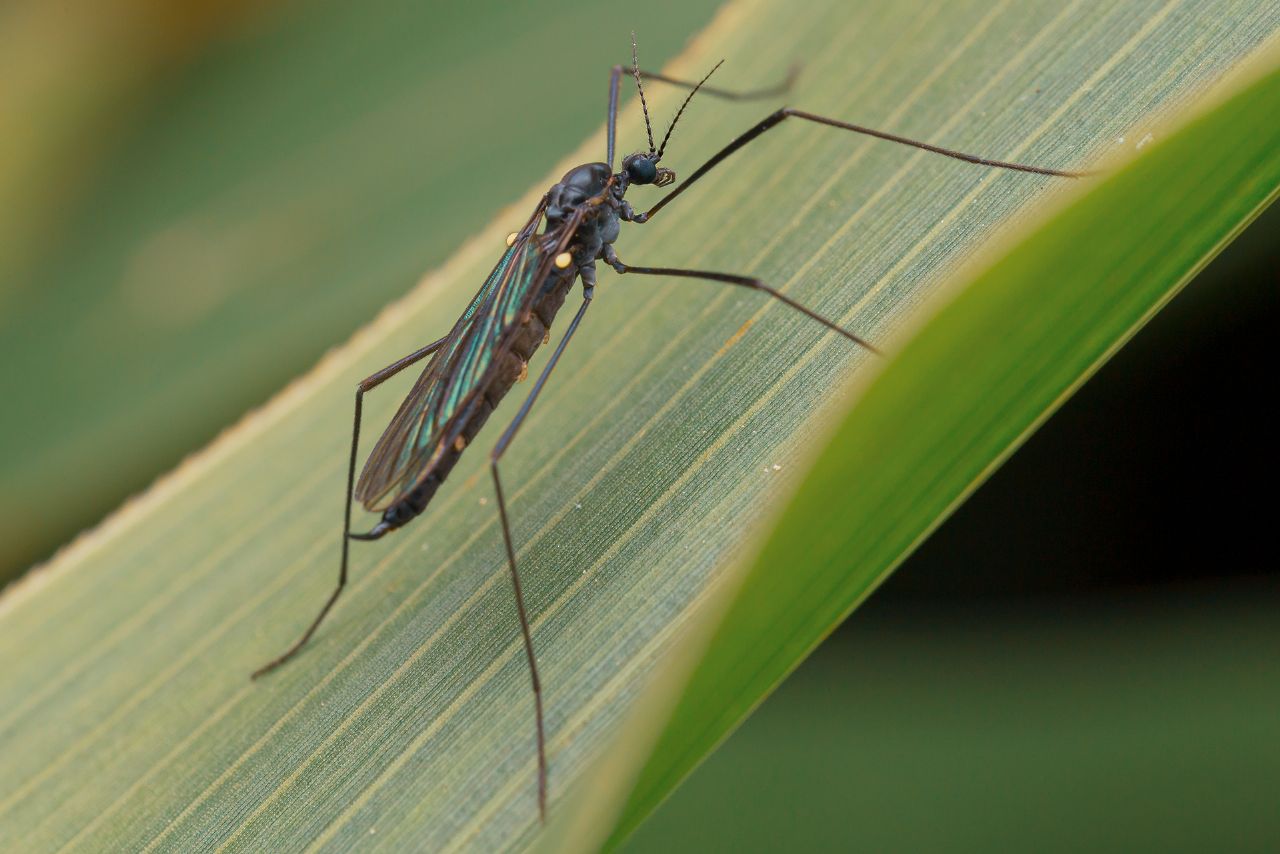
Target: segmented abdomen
<point x="520" y="342"/>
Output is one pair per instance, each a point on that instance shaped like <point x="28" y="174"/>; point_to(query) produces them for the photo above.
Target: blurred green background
<point x="224" y="215"/>
<point x="199" y="202"/>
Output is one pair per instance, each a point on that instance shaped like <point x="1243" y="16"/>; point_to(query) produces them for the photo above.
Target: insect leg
<point x="728" y="94"/>
<point x="746" y="282"/>
<point x="494" y="457"/>
<point x="777" y="117"/>
<point x="611" y="122"/>
<point x="615" y="80"/>
<point x="367" y="384"/>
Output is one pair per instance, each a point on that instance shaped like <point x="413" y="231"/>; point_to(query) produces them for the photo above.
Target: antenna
<point x="680" y="111"/>
<point x="644" y="105"/>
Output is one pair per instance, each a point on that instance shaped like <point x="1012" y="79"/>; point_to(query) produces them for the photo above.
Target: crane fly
<point x="488" y="349"/>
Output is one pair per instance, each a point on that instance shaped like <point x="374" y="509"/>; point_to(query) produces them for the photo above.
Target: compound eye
<point x="642" y="170"/>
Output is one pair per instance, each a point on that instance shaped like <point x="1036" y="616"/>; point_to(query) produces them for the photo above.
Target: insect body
<point x="489" y="348"/>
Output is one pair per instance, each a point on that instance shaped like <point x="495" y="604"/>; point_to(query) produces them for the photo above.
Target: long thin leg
<point x="494" y="457"/>
<point x="729" y="94"/>
<point x="615" y="80"/>
<point x="367" y="384"/>
<point x="611" y="123"/>
<point x="777" y="117"/>
<point x="746" y="282"/>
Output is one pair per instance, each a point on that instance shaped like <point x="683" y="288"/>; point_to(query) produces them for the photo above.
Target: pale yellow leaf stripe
<point x="177" y="750"/>
<point x="206" y="641"/>
<point x="182" y="582"/>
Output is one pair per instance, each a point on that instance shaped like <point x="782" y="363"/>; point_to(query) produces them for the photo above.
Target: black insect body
<point x="489" y="348"/>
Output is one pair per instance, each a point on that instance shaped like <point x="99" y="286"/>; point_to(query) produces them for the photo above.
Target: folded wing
<point x="433" y="414"/>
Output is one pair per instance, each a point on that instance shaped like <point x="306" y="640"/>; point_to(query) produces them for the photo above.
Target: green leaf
<point x="676" y="421"/>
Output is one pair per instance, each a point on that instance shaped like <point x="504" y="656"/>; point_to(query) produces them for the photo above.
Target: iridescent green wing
<point x="430" y="417"/>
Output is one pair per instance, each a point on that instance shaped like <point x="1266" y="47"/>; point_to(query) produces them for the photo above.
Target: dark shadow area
<point x="1156" y="471"/>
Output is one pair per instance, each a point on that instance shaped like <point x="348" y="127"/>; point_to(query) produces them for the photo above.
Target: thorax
<point x="600" y="225"/>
